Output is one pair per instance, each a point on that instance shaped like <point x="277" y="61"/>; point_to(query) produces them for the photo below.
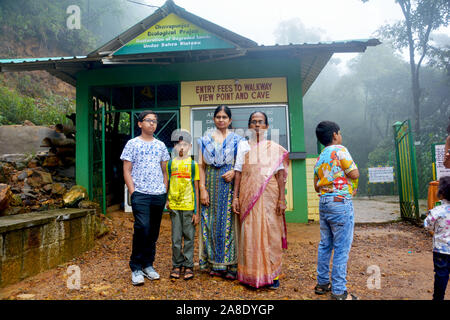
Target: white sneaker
<point x="137" y="278"/>
<point x="150" y="273"/>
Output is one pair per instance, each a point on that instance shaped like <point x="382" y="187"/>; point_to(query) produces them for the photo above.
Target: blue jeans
<point x="441" y="274"/>
<point x="336" y="232"/>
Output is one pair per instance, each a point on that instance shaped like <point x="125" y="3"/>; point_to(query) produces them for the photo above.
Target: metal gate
<point x="406" y="170"/>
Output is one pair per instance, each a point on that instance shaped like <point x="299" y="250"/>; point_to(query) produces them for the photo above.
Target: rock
<point x="47" y="188"/>
<point x="39" y="179"/>
<point x="52" y="161"/>
<point x="28" y="202"/>
<point x="100" y="226"/>
<point x="25" y="296"/>
<point x="16" y="201"/>
<point x="45" y="176"/>
<point x="23" y="175"/>
<point x="19" y="160"/>
<point x="34" y="181"/>
<point x="34" y="163"/>
<point x="58" y="189"/>
<point x="6" y="170"/>
<point x="66" y="172"/>
<point x="5" y="196"/>
<point x="28" y="123"/>
<point x="12" y="211"/>
<point x="15" y="157"/>
<point x="86" y="204"/>
<point x="74" y="196"/>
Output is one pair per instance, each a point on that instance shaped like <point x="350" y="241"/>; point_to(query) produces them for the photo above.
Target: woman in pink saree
<point x="259" y="198"/>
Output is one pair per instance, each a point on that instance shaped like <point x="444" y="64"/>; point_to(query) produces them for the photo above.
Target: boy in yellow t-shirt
<point x="183" y="203"/>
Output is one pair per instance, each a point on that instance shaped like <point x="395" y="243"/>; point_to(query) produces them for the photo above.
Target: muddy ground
<point x="402" y="253"/>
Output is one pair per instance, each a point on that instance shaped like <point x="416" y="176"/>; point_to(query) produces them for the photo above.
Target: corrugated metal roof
<point x="313" y="57"/>
<point x="48" y="59"/>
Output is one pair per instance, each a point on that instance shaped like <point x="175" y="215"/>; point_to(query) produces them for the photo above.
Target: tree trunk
<point x="415" y="87"/>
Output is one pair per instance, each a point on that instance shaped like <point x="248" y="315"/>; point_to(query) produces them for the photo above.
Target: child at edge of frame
<point x="183" y="205"/>
<point x="438" y="223"/>
<point x="335" y="176"/>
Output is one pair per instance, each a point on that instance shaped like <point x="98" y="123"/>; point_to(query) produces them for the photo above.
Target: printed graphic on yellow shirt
<point x="181" y="192"/>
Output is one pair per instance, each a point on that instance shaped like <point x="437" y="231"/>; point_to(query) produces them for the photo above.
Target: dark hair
<point x="225" y="109"/>
<point x="325" y="130"/>
<point x="181" y="135"/>
<point x="143" y="114"/>
<point x="444" y="188"/>
<point x="255" y="112"/>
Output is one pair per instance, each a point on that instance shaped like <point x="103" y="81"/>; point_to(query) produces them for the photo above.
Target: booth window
<point x="144" y="97"/>
<point x="167" y="95"/>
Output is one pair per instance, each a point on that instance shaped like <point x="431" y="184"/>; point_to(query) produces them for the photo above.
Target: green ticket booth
<point x="182" y="66"/>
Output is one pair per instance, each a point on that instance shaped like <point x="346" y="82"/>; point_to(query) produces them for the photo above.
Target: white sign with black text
<point x="439" y="152"/>
<point x="381" y="174"/>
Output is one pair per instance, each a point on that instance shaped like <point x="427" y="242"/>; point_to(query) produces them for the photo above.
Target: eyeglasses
<point x="257" y="122"/>
<point x="150" y="121"/>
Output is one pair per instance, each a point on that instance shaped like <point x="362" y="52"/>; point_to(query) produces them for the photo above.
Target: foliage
<point x="45" y="20"/>
<point x="421" y="18"/>
<point x="23" y="97"/>
<point x="367" y="101"/>
<point x="15" y="108"/>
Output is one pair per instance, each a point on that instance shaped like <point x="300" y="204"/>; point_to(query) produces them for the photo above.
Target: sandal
<point x="322" y="288"/>
<point x="175" y="273"/>
<point x="215" y="273"/>
<point x="343" y="296"/>
<point x="230" y="275"/>
<point x="188" y="274"/>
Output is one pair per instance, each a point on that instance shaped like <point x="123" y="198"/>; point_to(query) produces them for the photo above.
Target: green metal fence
<point x="406" y="171"/>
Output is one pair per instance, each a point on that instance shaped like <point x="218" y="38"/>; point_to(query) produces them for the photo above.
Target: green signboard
<point x="173" y="34"/>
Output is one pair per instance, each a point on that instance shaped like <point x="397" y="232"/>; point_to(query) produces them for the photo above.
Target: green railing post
<point x="397" y="127"/>
<point x="406" y="169"/>
<point x="103" y="162"/>
<point x="414" y="176"/>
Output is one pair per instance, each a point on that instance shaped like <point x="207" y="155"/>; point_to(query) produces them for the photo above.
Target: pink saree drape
<point x="262" y="230"/>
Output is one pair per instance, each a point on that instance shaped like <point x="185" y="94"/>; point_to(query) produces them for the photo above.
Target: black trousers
<point x="147" y="211"/>
<point x="441" y="273"/>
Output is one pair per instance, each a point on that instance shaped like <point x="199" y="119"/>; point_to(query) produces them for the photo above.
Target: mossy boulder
<point x="74" y="196"/>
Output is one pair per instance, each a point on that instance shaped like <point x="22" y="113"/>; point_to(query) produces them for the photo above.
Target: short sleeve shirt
<point x="146" y="158"/>
<point x="181" y="193"/>
<point x="331" y="168"/>
<point x="438" y="221"/>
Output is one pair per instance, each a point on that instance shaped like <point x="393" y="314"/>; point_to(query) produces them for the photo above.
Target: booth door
<point x="168" y="121"/>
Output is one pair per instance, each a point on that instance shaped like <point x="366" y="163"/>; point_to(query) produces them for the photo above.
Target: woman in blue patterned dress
<point x="218" y="240"/>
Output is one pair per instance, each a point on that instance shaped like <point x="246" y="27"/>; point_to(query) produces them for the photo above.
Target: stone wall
<point x="34" y="242"/>
<point x="25" y="139"/>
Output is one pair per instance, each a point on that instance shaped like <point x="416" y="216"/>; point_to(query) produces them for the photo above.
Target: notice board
<point x="381" y="174"/>
<point x="439" y="170"/>
<point x="277" y="116"/>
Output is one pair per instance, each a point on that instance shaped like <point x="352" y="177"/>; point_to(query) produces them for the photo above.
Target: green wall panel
<point x="229" y="69"/>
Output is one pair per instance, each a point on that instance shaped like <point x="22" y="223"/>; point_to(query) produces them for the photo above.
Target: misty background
<point x="365" y="100"/>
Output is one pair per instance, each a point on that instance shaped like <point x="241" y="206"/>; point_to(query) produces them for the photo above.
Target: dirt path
<point x="401" y="251"/>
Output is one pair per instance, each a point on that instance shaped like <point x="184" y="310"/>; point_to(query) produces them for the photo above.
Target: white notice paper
<point x="381" y="174"/>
